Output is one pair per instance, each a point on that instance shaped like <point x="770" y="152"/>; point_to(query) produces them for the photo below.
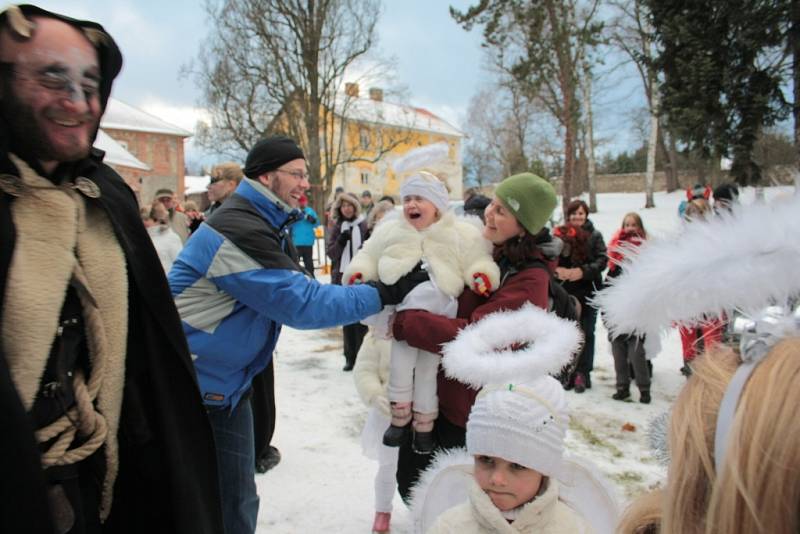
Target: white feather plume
<point x="484" y="353"/>
<point x="419" y="158"/>
<point x="744" y="261"/>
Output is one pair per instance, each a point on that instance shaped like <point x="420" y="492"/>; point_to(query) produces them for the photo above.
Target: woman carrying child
<point x="454" y="254"/>
<point x="525" y="253"/>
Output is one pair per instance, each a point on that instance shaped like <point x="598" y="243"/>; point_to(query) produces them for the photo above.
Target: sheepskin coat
<point x="159" y="435"/>
<point x="544" y="515"/>
<point x="453" y="249"/>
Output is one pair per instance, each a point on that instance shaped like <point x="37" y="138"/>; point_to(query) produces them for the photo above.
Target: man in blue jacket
<point x="235" y="284"/>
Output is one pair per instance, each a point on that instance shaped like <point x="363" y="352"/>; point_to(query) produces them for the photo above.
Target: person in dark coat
<point x="581" y="267"/>
<point x="526" y="254"/>
<point x="346" y="237"/>
<point x="104" y="430"/>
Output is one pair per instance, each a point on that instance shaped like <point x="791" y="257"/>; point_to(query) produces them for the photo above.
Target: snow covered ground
<point x="324" y="483"/>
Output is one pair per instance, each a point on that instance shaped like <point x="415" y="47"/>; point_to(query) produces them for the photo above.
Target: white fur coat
<point x="453" y="248"/>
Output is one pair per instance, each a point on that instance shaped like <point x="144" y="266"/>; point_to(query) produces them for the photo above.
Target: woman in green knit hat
<point x="526" y="255"/>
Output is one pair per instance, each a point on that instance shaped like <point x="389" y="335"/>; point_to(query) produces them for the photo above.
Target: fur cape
<point x="743" y="260"/>
<point x="454" y="250"/>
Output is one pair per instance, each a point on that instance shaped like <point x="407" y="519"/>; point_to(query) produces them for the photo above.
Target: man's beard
<point x="26" y="135"/>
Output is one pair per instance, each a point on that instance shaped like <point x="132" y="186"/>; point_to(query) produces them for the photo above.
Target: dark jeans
<point x="630" y="350"/>
<point x="586" y="357"/>
<point x="263" y="403"/>
<point x="353" y="336"/>
<point x="233" y="437"/>
<point x="410" y="464"/>
<point x="307" y="256"/>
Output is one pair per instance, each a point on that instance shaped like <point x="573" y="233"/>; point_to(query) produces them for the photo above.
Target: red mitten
<point x="356" y="278"/>
<point x="481" y="284"/>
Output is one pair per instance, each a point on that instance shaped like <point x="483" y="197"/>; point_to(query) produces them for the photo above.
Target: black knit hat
<point x="269" y="154"/>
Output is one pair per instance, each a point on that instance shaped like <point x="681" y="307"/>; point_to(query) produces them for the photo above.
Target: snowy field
<point x="324" y="483"/>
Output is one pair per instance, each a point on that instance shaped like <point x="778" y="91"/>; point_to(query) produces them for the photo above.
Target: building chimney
<point x="351" y="89"/>
<point x="376" y="94"/>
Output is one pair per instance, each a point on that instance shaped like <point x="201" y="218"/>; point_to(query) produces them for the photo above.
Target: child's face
<point x="419" y="212"/>
<point x="507" y="484"/>
<point x="629" y="225"/>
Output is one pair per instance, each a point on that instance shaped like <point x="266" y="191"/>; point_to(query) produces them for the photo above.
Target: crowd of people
<point x="136" y="372"/>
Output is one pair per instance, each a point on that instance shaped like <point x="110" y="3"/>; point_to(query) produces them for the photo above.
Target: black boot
<point x="396" y="435"/>
<point x="644" y="396"/>
<point x="348" y="364"/>
<point x="621" y="394"/>
<point x="423" y="442"/>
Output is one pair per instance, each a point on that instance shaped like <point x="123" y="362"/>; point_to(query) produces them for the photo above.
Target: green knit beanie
<point x="530" y="198"/>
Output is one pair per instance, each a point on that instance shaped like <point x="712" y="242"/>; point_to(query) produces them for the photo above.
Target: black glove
<point x="394" y="294"/>
<point x="344" y="237"/>
<point x="311" y="219"/>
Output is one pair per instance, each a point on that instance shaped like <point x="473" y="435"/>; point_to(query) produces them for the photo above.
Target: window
<point x="364" y="178"/>
<point x="363" y="136"/>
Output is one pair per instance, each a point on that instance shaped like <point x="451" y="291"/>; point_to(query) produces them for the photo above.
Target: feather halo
<point x="511" y="346"/>
<point x="743" y="260"/>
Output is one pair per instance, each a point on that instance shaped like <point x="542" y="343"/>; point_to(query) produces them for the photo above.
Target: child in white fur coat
<point x="454" y="254"/>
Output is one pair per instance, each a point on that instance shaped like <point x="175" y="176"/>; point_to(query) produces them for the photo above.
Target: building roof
<point x="121" y="116"/>
<point x="380" y="112"/>
<point x="116" y="153"/>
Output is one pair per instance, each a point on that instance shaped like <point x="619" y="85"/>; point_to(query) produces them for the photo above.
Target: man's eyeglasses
<point x="60" y="80"/>
<point x="215" y="180"/>
<point x="297" y="175"/>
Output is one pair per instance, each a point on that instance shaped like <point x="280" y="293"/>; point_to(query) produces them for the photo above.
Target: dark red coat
<point x="428" y="331"/>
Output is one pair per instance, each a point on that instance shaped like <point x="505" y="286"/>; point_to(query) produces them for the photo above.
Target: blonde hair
<point x="758" y="490"/>
<point x="229" y="170"/>
<point x="697" y="209"/>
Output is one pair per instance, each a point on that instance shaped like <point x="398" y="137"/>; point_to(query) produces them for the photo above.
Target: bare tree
<point x="279" y="66"/>
<point x="544" y="42"/>
<point x="631" y="33"/>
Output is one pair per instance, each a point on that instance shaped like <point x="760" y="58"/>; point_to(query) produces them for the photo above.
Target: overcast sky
<point x="437" y="61"/>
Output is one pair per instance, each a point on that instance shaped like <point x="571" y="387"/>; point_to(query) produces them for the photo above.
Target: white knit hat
<point x="524" y="424"/>
<point x="427" y="186"/>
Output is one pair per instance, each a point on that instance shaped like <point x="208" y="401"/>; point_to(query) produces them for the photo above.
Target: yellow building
<point x="407" y="139"/>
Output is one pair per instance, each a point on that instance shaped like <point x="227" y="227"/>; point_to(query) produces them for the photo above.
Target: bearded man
<point x="103" y="427"/>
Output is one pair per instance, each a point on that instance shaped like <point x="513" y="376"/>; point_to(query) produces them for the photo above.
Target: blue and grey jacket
<point x="235" y="284"/>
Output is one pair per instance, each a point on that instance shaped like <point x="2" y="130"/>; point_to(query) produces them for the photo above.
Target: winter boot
<point x="348" y="364"/>
<point x="423" y="432"/>
<point x="621" y="394"/>
<point x="644" y="396"/>
<point x="381" y="523"/>
<point x="398" y="431"/>
<point x="580" y="383"/>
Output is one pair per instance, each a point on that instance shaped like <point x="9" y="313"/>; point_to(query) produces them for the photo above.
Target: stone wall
<point x="634" y="182"/>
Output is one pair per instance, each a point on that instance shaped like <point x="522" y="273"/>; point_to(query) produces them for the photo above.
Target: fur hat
<point x="269" y="154"/>
<point x="427" y="186"/>
<point x="350" y="199"/>
<point x="530" y="198"/>
<point x="522" y="415"/>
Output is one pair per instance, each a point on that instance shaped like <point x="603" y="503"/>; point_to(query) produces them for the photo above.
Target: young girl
<point x="628" y="350"/>
<point x="515" y="436"/>
<point x="454" y="254"/>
